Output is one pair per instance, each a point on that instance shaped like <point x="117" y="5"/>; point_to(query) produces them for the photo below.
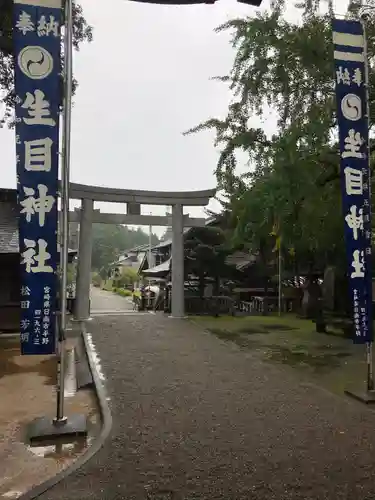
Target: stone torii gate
<point x="87" y="215"/>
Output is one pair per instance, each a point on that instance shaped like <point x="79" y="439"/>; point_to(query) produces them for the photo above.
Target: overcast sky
<point x="143" y="81"/>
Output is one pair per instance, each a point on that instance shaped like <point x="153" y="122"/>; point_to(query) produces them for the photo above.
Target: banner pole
<point x="352" y="95"/>
<point x="37" y="21"/>
<point x="279" y="284"/>
<point x="65" y="178"/>
<point x="370" y="374"/>
<point x="369" y="353"/>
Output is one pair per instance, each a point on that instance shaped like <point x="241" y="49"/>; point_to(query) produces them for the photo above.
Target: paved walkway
<point x="107" y="302"/>
<point x="196" y="418"/>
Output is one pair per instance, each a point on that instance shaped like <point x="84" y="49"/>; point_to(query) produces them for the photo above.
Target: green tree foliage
<point x="127" y="277"/>
<point x="109" y="241"/>
<point x="81" y="32"/>
<point x="96" y="279"/>
<point x="205" y="254"/>
<point x="292" y="178"/>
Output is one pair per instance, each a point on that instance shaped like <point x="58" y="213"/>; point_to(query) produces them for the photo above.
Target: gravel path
<point x="197" y="418"/>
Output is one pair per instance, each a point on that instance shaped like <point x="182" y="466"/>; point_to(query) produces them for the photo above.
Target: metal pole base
<point x="44" y="429"/>
<point x="60" y="421"/>
<point x="367" y="397"/>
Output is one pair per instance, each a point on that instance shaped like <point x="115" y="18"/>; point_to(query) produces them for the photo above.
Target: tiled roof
<point x="168" y="242"/>
<point x="241" y="260"/>
<point x="162" y="268"/>
<point x="8" y="225"/>
<point x="9" y="242"/>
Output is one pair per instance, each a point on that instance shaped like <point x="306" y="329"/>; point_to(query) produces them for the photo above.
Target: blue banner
<point x="352" y="117"/>
<point x="36" y="39"/>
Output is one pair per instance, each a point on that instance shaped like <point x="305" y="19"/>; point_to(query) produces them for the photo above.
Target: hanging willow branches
<point x="287" y="66"/>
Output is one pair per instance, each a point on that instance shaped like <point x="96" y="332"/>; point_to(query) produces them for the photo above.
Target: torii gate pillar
<point x="178" y="292"/>
<point x="82" y="307"/>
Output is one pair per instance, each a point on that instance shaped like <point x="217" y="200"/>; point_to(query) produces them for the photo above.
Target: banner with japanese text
<point x="352" y="117"/>
<point x="36" y="39"/>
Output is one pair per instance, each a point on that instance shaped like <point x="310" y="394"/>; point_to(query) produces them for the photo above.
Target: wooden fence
<point x="222" y="305"/>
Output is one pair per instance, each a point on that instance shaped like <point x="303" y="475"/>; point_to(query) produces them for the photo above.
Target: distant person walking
<point x="160" y="297"/>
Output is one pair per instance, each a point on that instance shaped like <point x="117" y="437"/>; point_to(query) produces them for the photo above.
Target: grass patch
<point x="236" y="337"/>
<point x="302" y="357"/>
<point x="224" y="334"/>
<point x="251" y="330"/>
<point x="254" y="324"/>
<point x="108" y="285"/>
<point x="331" y="360"/>
<point x="281" y="328"/>
<point x="123" y="292"/>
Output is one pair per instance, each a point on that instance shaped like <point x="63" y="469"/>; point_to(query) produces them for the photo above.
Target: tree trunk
<point x="201" y="286"/>
<point x="263" y="256"/>
<point x="320" y="325"/>
<point x="265" y="299"/>
<point x="297" y="306"/>
<point x="217" y="285"/>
